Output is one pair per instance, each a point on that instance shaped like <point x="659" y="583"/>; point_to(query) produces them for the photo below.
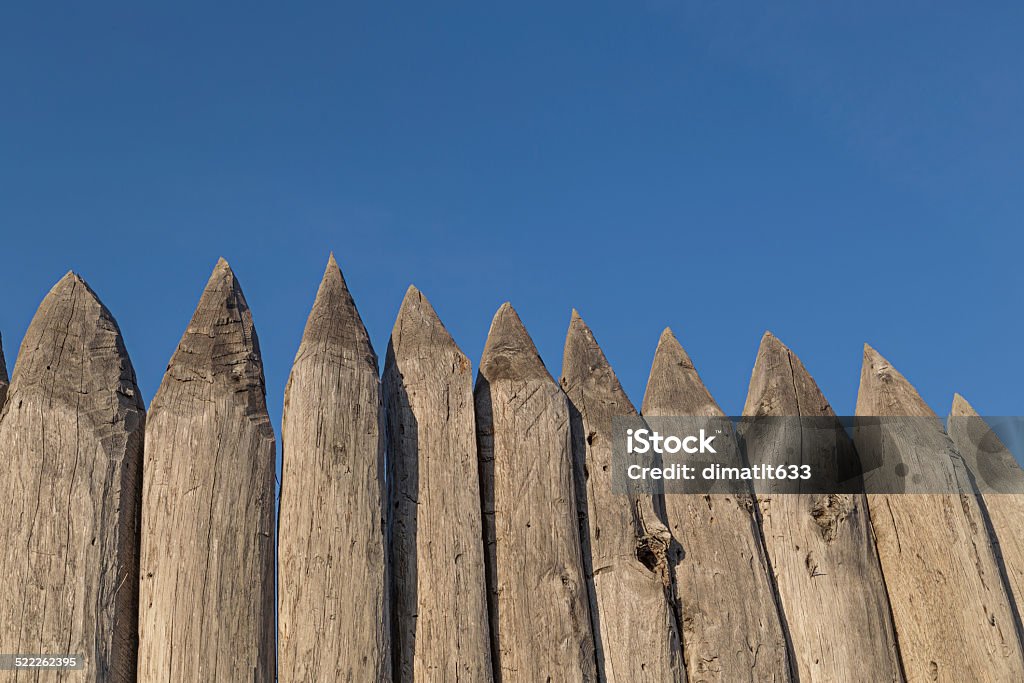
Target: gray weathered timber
<point x="985" y="455"/>
<point x="3" y="375"/>
<point x="951" y="612"/>
<point x="820" y="545"/>
<point x="439" y="587"/>
<point x="207" y="575"/>
<point x="625" y="544"/>
<point x="334" y="622"/>
<point x="725" y="599"/>
<point x="538" y="602"/>
<point x="71" y="443"/>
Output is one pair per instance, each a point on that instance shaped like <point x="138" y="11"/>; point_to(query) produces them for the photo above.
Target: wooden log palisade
<point x="626" y="546"/>
<point x="333" y="619"/>
<point x="433" y="530"/>
<point x="988" y="459"/>
<point x="538" y="599"/>
<point x="725" y="597"/>
<point x="952" y="611"/>
<point x="819" y="545"/>
<point x="439" y="587"/>
<point x="71" y="443"/>
<point x="207" y="574"/>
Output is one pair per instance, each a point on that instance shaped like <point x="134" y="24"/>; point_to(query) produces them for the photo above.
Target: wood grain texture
<point x="439" y="588"/>
<point x="819" y="545"/>
<point x="988" y="459"/>
<point x="207" y="584"/>
<point x="334" y="622"/>
<point x="725" y="599"/>
<point x="538" y="602"/>
<point x="951" y="612"/>
<point x="625" y="544"/>
<point x="71" y="441"/>
<point x="4" y="380"/>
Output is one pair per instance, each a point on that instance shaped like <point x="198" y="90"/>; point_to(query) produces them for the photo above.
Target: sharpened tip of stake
<point x="961" y="407"/>
<point x="412" y="296"/>
<point x="509" y="352"/>
<point x="674" y="387"/>
<point x="334" y="326"/>
<point x="576" y="323"/>
<point x="70" y="278"/>
<point x="417" y="315"/>
<point x="884" y="391"/>
<point x="670" y="348"/>
<point x="72" y="328"/>
<point x="769" y="340"/>
<point x="419" y="335"/>
<point x="67" y="291"/>
<point x="781" y="385"/>
<point x="586" y="373"/>
<point x="507" y="330"/>
<point x="415" y="303"/>
<point x="580" y="346"/>
<point x="583" y="360"/>
<point x="874" y="361"/>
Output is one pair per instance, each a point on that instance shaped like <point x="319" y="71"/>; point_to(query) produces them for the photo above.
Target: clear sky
<point x="835" y="172"/>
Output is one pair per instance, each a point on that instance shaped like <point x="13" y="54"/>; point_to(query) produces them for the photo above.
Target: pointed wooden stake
<point x="540" y="619"/>
<point x="71" y="444"/>
<point x="207" y="590"/>
<point x="990" y="461"/>
<point x="625" y="544"/>
<point x="437" y="551"/>
<point x="334" y="623"/>
<point x="725" y="599"/>
<point x="820" y="545"/>
<point x="952" y="615"/>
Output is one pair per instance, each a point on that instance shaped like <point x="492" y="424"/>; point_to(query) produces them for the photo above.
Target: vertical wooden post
<point x="71" y="446"/>
<point x="987" y="458"/>
<point x="725" y="599"/>
<point x="625" y="544"/>
<point x="540" y="619"/>
<point x="819" y="545"/>
<point x="333" y="616"/>
<point x="437" y="551"/>
<point x="951" y="612"/>
<point x="207" y="584"/>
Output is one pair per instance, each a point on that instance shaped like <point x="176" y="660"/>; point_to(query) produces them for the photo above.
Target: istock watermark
<point x="642" y="441"/>
<point x="793" y="455"/>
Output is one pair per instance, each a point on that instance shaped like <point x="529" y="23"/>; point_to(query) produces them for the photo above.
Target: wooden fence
<point x="433" y="530"/>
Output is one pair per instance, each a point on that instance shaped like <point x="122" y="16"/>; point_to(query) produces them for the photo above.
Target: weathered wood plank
<point x="819" y="545"/>
<point x="71" y="443"/>
<point x="4" y="379"/>
<point x="334" y="622"/>
<point x="987" y="457"/>
<point x="724" y="595"/>
<point x="625" y="544"/>
<point x="207" y="584"/>
<point x="439" y="585"/>
<point x="538" y="603"/>
<point x="952" y="616"/>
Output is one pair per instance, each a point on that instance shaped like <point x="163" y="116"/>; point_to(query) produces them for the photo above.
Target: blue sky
<point x="836" y="173"/>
